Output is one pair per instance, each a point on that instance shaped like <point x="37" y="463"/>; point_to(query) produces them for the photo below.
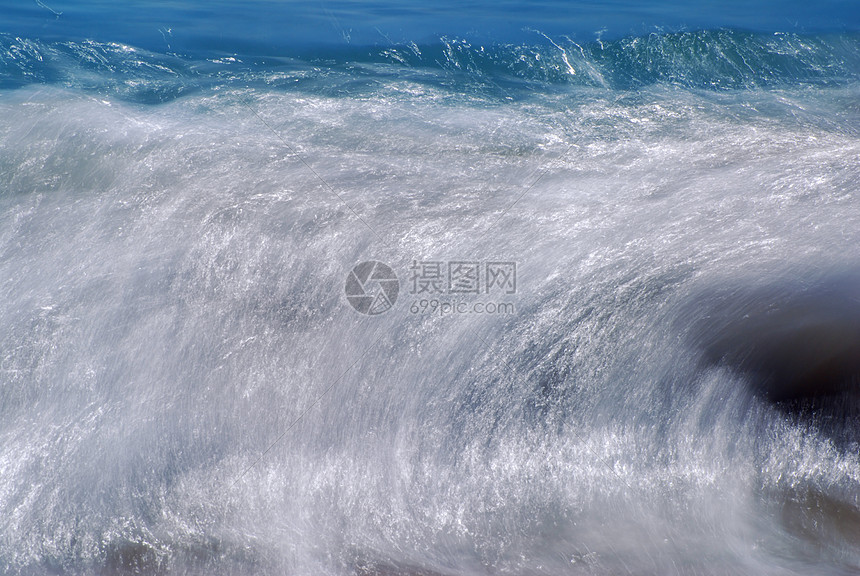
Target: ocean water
<point x="624" y="335"/>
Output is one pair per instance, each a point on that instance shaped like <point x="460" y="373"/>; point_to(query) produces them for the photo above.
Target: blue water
<point x="185" y="387"/>
<point x="269" y="27"/>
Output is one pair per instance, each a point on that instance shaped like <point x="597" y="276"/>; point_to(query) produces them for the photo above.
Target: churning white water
<point x="185" y="388"/>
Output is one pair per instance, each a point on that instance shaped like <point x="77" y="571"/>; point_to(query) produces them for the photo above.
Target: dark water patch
<point x="796" y="343"/>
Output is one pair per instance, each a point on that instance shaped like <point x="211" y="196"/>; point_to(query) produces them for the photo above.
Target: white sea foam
<point x="184" y="384"/>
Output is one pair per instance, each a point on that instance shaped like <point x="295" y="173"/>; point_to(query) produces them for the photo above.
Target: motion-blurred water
<point x="184" y="387"/>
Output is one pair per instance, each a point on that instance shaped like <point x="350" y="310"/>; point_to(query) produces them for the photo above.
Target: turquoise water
<point x="619" y="45"/>
<point x="188" y="385"/>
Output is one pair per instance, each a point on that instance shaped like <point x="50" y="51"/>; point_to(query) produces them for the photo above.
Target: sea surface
<point x="375" y="287"/>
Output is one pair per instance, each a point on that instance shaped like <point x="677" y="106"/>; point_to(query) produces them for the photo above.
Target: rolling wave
<point x="704" y="60"/>
<point x="186" y="389"/>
